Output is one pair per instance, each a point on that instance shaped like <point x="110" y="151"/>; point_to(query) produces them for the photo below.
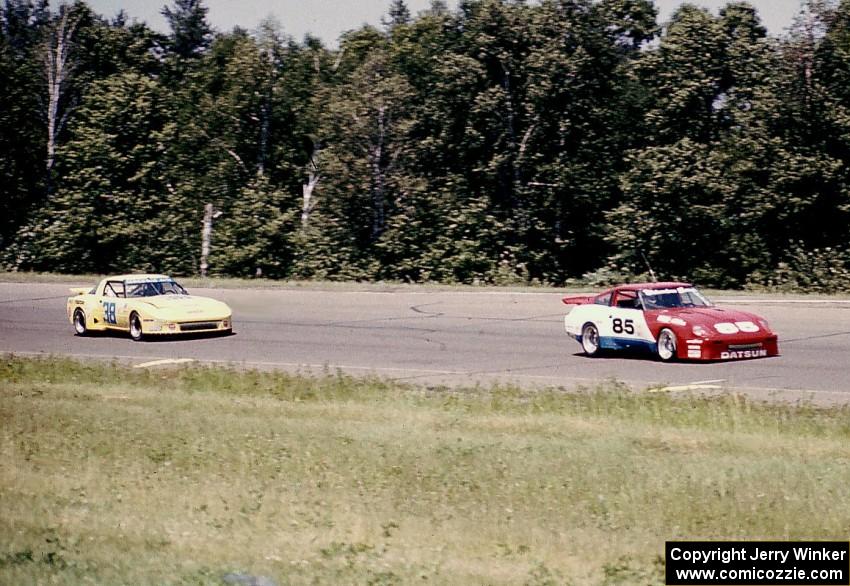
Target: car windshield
<point x="670" y="298"/>
<point x="153" y="287"/>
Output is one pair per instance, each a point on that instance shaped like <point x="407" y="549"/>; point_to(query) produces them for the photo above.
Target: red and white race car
<point x="671" y="320"/>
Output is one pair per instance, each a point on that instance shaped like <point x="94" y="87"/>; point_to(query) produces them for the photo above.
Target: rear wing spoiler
<point x="579" y="299"/>
<point x="80" y="290"/>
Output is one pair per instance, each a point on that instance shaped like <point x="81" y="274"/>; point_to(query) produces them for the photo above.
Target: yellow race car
<point x="145" y="305"/>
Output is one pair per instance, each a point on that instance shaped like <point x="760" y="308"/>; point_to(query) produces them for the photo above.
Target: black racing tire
<point x="590" y="339"/>
<point x="80" y="327"/>
<point x="136" y="327"/>
<point x="667" y="345"/>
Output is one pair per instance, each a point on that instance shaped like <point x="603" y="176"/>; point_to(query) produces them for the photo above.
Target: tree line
<point x="504" y="141"/>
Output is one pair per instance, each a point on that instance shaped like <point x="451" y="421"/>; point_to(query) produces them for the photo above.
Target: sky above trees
<point x="327" y="19"/>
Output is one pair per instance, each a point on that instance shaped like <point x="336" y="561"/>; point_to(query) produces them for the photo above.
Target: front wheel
<point x="135" y="327"/>
<point x="667" y="345"/>
<point x="80" y="323"/>
<point x="590" y="339"/>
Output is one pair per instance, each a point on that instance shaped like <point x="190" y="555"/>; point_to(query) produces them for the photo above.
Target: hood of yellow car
<point x="188" y="305"/>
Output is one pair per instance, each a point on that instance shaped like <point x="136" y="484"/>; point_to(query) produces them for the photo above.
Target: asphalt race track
<point x="446" y="337"/>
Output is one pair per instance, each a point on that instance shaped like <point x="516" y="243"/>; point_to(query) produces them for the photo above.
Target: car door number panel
<point x="109" y="315"/>
<point x="621" y="326"/>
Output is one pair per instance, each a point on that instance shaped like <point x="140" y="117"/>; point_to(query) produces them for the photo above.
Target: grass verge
<point x="185" y="476"/>
<point x="391" y="286"/>
<point x="262" y="283"/>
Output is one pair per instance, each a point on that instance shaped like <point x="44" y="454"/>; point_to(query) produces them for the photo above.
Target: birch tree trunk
<point x="307" y="189"/>
<point x="265" y="113"/>
<point x="376" y="154"/>
<point x="206" y="234"/>
<point x="58" y="70"/>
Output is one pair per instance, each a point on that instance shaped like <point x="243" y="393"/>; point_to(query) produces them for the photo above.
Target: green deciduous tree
<point x="502" y="141"/>
<point x="365" y="129"/>
<point x="109" y="212"/>
<point x="723" y="187"/>
<point x="21" y="130"/>
<point x="254" y="236"/>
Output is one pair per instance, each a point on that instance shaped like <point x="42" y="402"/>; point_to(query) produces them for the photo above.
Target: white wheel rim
<point x="666" y="346"/>
<point x="135" y="329"/>
<point x="78" y="323"/>
<point x="589" y="340"/>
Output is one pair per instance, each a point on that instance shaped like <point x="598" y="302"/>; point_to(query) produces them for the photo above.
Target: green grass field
<point x="111" y="475"/>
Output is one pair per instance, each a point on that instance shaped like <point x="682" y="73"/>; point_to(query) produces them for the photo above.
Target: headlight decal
<point x="698" y="330"/>
<point x="726" y="328"/>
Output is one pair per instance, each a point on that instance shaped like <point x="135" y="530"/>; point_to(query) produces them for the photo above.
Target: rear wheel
<point x="667" y="345"/>
<point x="590" y="339"/>
<point x="135" y="327"/>
<point x="80" y="323"/>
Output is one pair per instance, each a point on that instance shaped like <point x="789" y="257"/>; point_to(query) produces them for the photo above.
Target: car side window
<point x="628" y="300"/>
<point x="114" y="289"/>
<point x="603" y="299"/>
